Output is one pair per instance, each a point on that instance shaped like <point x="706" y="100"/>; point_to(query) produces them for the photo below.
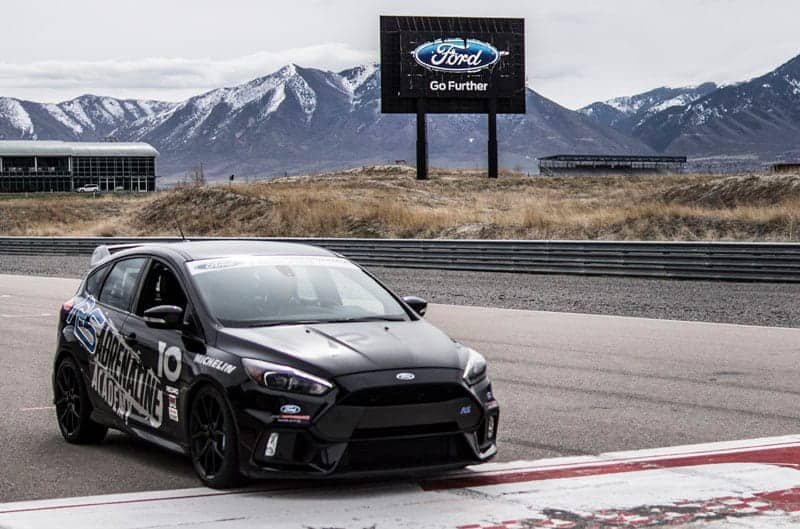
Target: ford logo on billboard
<point x="457" y="55"/>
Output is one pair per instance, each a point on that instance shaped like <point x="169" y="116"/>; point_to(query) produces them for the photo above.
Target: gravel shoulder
<point x="768" y="304"/>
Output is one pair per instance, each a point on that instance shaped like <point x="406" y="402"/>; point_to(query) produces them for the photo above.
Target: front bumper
<point x="371" y="423"/>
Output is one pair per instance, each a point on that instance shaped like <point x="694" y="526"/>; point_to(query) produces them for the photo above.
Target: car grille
<point x="405" y="395"/>
<point x="405" y="453"/>
<point x="406" y="431"/>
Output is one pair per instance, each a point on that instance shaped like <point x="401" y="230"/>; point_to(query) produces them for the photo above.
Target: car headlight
<point x="475" y="370"/>
<point x="285" y="378"/>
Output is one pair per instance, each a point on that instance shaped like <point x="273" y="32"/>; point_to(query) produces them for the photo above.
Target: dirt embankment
<point x="386" y="201"/>
<point x="751" y="190"/>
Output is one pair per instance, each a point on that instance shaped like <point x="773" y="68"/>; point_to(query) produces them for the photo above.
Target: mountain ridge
<point x="625" y="113"/>
<point x="300" y="119"/>
<point x="758" y="117"/>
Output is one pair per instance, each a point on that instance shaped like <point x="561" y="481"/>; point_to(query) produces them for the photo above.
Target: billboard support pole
<point x="493" y="138"/>
<point x="422" y="141"/>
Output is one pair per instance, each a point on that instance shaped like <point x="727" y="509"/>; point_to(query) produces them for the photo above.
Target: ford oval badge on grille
<point x="457" y="55"/>
<point x="290" y="409"/>
<point x="405" y="376"/>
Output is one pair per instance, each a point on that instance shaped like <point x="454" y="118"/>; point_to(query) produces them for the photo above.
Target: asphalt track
<point x="569" y="385"/>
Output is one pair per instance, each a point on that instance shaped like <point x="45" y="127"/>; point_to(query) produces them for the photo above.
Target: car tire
<point x="213" y="444"/>
<point x="73" y="407"/>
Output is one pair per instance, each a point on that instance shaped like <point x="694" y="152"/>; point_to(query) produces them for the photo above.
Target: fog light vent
<point x="490" y="427"/>
<point x="272" y="445"/>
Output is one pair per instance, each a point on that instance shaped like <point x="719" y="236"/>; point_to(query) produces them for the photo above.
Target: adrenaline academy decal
<point x="119" y="376"/>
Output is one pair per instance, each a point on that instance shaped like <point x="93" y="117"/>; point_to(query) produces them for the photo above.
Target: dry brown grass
<point x="389" y="202"/>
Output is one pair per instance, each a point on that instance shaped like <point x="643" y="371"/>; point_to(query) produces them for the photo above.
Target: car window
<point x="243" y="291"/>
<point x="353" y="294"/>
<point x="120" y="285"/>
<point x="160" y="287"/>
<point x="95" y="281"/>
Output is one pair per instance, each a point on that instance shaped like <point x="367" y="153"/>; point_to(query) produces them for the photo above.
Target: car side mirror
<point x="164" y="317"/>
<point x="419" y="305"/>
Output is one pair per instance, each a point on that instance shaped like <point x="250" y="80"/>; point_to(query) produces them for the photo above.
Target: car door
<point x="165" y="351"/>
<point x="109" y="354"/>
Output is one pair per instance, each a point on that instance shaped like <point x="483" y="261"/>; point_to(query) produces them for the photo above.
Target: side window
<point x="160" y="287"/>
<point x="95" y="281"/>
<point x="120" y="286"/>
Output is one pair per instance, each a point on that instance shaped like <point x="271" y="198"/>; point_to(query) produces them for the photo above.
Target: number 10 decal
<point x="169" y="362"/>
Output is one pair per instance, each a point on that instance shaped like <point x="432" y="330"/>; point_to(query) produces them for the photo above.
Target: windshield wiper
<point x="371" y="318"/>
<point x="320" y="322"/>
<point x="284" y="322"/>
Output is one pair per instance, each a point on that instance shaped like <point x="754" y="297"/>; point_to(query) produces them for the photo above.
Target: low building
<point x="44" y="166"/>
<point x="580" y="164"/>
<point x="786" y="168"/>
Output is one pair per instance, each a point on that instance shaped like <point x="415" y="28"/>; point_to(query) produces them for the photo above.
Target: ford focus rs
<point x="261" y="359"/>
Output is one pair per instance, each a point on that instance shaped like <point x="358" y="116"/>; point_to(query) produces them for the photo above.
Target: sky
<point x="577" y="52"/>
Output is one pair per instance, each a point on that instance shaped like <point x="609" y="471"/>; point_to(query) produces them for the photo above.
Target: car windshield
<point x="255" y="291"/>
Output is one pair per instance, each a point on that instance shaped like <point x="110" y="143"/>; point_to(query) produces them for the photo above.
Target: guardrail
<point x="777" y="262"/>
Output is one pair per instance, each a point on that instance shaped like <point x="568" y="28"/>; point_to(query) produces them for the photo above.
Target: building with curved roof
<point x="37" y="166"/>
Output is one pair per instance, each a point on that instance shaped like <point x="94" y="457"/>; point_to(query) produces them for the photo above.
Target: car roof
<point x="196" y="250"/>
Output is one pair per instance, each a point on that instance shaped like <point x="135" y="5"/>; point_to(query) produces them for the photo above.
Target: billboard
<point x="455" y="64"/>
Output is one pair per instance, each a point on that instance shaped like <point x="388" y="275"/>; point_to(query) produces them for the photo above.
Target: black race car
<point x="260" y="359"/>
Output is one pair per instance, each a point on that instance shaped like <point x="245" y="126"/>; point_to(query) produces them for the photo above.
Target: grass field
<point x="387" y="201"/>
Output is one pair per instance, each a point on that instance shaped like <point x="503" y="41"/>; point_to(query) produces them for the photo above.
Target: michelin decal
<point x="213" y="363"/>
<point x="123" y="381"/>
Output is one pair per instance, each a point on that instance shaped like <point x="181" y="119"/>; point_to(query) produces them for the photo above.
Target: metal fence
<point x="777" y="262"/>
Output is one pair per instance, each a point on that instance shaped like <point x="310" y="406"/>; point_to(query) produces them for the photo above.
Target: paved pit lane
<point x="569" y="385"/>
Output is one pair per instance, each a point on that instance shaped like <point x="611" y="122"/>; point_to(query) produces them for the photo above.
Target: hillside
<point x="386" y="201"/>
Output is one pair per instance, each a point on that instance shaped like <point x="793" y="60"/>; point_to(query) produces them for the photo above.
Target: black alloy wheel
<point x="73" y="408"/>
<point x="212" y="442"/>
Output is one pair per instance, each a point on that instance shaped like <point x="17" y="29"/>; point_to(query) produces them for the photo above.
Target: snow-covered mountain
<point x="304" y="119"/>
<point x="759" y="118"/>
<point x="626" y="113"/>
<point x="85" y="118"/>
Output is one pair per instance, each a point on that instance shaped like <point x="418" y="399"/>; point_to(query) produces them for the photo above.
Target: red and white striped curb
<point x="674" y="514"/>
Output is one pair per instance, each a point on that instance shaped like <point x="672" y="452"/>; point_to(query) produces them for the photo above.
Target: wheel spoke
<point x="60" y="382"/>
<point x="209" y="462"/>
<point x="73" y="421"/>
<point x="205" y="448"/>
<point x="196" y="420"/>
<point x="207" y="409"/>
<point x="217" y="451"/>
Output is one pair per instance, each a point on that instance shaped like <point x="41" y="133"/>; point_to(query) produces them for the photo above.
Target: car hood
<point x="336" y="349"/>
